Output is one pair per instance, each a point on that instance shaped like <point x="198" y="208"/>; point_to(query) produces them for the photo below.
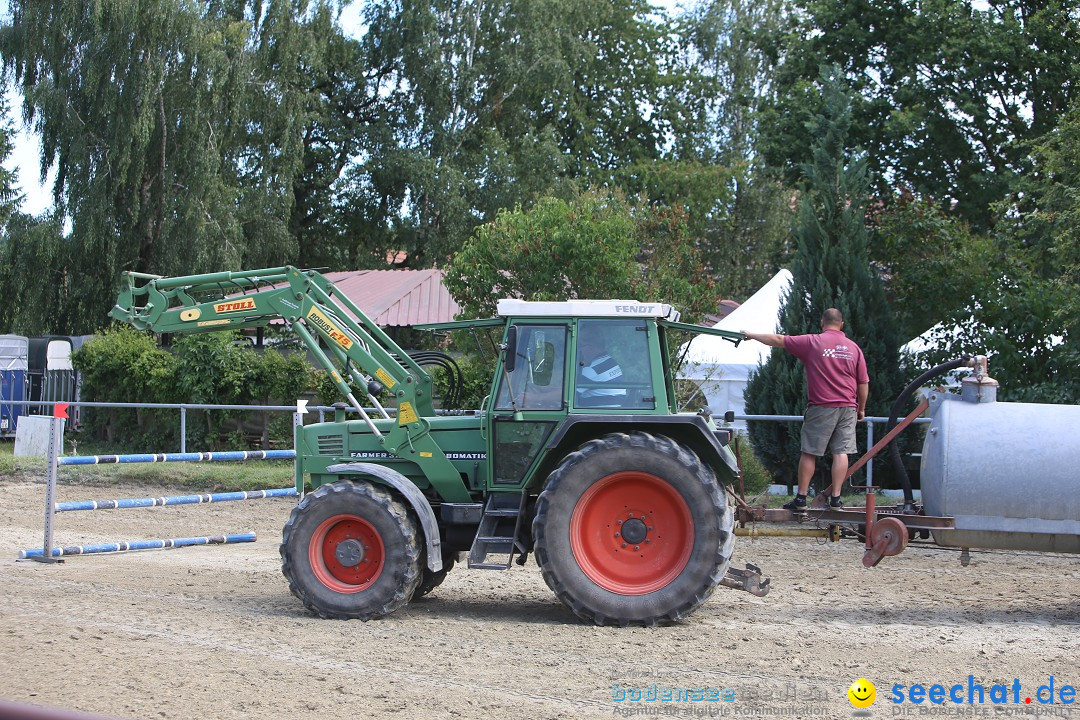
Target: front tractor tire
<point x="632" y="529"/>
<point x="351" y="550"/>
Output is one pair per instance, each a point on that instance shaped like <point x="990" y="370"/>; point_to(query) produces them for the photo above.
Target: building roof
<point x="397" y="298"/>
<point x="726" y="308"/>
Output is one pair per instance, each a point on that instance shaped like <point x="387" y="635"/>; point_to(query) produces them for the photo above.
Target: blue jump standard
<point x="140" y="545"/>
<point x="226" y="456"/>
<point x="173" y="500"/>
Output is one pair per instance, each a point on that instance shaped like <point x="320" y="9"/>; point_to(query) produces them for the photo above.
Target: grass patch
<point x="209" y="476"/>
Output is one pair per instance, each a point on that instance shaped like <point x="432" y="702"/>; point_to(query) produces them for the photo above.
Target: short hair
<point x="832" y="316"/>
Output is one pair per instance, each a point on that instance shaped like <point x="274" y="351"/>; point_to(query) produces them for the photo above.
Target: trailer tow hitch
<point x="749" y="580"/>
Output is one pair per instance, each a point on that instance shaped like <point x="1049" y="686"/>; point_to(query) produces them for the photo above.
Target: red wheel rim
<point x="359" y="538"/>
<point x="631" y="533"/>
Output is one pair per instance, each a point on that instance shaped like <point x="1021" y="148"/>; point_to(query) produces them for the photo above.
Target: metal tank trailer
<point x="1007" y="473"/>
<point x="994" y="475"/>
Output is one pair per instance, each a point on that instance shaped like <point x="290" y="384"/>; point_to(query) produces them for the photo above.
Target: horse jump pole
<point x="50" y="554"/>
<point x="35" y="554"/>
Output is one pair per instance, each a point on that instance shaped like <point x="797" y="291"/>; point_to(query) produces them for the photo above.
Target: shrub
<point x="125" y="365"/>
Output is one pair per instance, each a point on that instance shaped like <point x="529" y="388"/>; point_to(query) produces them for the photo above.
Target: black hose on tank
<point x="894" y="413"/>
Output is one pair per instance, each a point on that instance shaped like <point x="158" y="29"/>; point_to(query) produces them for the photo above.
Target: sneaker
<point x="835" y="502"/>
<point x="796" y="505"/>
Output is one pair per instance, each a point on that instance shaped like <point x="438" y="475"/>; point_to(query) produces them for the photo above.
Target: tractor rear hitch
<point x="749" y="580"/>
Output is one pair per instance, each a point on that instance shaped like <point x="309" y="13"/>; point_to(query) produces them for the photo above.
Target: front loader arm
<point x="351" y="348"/>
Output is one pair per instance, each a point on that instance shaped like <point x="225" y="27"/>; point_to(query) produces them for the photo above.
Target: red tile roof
<point x="397" y="298"/>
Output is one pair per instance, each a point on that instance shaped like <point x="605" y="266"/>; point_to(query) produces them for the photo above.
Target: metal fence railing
<point x="870" y="422"/>
<point x="183" y="408"/>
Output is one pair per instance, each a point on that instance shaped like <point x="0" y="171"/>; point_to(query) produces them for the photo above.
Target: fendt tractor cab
<point x="579" y="454"/>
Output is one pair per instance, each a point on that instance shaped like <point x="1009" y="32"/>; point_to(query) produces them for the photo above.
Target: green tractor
<point x="578" y="456"/>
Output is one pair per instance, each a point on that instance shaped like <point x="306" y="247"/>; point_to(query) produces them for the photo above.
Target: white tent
<point x="721" y="369"/>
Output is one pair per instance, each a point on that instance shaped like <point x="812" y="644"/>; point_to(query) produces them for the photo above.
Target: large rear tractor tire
<point x="632" y="529"/>
<point x="351" y="550"/>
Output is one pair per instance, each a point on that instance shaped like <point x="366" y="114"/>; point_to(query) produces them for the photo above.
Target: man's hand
<point x="860" y="415"/>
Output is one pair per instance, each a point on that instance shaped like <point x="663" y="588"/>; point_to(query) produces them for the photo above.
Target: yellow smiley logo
<point x="862" y="693"/>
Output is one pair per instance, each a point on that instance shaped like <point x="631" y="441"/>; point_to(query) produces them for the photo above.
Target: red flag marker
<point x="60" y="410"/>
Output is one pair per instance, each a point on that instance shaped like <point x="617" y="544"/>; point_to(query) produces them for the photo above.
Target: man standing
<point x="836" y="386"/>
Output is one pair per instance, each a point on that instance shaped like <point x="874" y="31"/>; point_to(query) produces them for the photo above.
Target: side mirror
<point x="729" y="416"/>
<point x="510" y="349"/>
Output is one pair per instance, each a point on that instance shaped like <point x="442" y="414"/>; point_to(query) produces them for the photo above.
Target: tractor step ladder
<point x="500" y="511"/>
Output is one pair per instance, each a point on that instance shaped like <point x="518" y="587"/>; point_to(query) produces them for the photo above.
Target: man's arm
<point x="862" y="391"/>
<point x="770" y="339"/>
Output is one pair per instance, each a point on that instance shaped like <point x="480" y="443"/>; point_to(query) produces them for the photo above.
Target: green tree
<point x="497" y="103"/>
<point x="728" y="55"/>
<point x="10" y="194"/>
<point x="946" y="91"/>
<point x="935" y="265"/>
<point x="596" y="246"/>
<point x="830" y="268"/>
<point x="726" y="72"/>
<point x="33" y="255"/>
<point x="175" y="129"/>
<point x="1053" y="211"/>
<point x="739" y="256"/>
<point x="1026" y="315"/>
<point x="34" y="280"/>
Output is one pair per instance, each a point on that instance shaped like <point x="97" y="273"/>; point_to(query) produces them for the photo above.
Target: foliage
<point x="1023" y="312"/>
<point x="1017" y="323"/>
<point x="1054" y="190"/>
<point x="945" y="91"/>
<point x="217" y="369"/>
<point x="34" y="282"/>
<point x="727" y="51"/>
<point x="125" y="365"/>
<point x="32" y="254"/>
<point x="831" y="268"/>
<point x="598" y="245"/>
<point x="727" y="67"/>
<point x="1056" y="199"/>
<point x="934" y="264"/>
<point x="756" y="477"/>
<point x="173" y="130"/>
<point x="476" y="377"/>
<point x="738" y="217"/>
<point x="10" y="196"/>
<point x="490" y="104"/>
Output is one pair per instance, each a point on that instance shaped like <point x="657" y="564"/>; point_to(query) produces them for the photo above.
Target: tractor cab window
<point x="613" y="365"/>
<point x="536" y="372"/>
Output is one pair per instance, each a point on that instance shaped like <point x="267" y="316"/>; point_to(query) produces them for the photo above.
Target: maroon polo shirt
<point x="834" y="364"/>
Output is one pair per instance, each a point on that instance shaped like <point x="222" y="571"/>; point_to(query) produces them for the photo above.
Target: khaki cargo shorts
<point x="831" y="428"/>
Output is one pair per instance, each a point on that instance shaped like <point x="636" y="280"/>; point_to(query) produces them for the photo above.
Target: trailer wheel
<point x="431" y="580"/>
<point x="350" y="550"/>
<point x="632" y="529"/>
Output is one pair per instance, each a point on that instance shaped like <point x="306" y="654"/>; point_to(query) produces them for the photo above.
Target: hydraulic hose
<point x="895" y="412"/>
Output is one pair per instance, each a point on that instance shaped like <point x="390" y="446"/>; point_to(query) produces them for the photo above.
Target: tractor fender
<point x="412" y="494"/>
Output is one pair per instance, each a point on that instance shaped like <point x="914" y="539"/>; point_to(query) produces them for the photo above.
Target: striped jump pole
<point x="139" y="545"/>
<point x="127" y="503"/>
<point x="226" y="456"/>
<point x="49" y="553"/>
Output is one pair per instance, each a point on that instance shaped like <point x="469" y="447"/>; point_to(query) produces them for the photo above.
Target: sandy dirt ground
<point x="213" y="632"/>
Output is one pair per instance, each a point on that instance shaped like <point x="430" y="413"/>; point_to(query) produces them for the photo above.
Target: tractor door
<point x="529" y="402"/>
